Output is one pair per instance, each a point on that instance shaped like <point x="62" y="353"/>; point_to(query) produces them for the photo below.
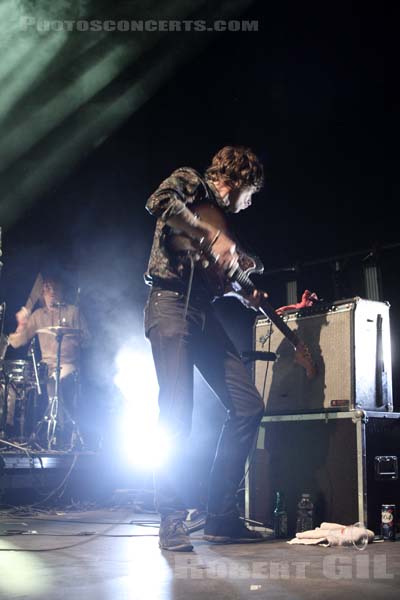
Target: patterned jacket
<point x="184" y="187"/>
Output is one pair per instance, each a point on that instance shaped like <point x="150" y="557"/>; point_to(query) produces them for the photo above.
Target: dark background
<point x="306" y="93"/>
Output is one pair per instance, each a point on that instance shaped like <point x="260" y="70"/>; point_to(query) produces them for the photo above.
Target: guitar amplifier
<point x="349" y="342"/>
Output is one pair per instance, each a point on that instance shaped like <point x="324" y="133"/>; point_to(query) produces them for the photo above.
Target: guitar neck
<point x="269" y="312"/>
<point x="265" y="308"/>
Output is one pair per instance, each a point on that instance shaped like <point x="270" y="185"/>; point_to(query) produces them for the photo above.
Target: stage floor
<point x="113" y="554"/>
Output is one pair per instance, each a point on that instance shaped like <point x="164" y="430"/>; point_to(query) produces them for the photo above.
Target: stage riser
<point x="332" y="459"/>
<point x="92" y="479"/>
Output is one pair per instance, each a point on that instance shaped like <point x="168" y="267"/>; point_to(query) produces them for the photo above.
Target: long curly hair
<point x="237" y="166"/>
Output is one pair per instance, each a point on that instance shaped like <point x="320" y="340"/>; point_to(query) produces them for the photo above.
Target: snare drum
<point x="18" y="371"/>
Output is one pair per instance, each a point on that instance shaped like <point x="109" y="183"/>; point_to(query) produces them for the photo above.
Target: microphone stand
<point x="35" y="369"/>
<point x="77" y="389"/>
<point x="52" y="412"/>
<point x="55" y="403"/>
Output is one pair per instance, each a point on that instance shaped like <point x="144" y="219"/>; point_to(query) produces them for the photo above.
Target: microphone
<point x="58" y="304"/>
<point x="258" y="355"/>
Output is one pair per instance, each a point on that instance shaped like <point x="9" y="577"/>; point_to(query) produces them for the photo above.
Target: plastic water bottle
<point x="280" y="517"/>
<point x="305" y="510"/>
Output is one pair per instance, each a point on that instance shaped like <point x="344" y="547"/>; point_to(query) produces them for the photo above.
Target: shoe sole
<point x="183" y="548"/>
<point x="219" y="539"/>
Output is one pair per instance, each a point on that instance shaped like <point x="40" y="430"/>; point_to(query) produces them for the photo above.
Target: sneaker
<point x="174" y="535"/>
<point x="230" y="530"/>
<point x="195" y="520"/>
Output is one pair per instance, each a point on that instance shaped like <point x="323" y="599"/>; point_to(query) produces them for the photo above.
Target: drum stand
<point x="19" y="394"/>
<point x="4" y="407"/>
<point x="51" y="417"/>
<point x="20" y="404"/>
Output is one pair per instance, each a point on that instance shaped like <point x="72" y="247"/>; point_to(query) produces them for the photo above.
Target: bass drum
<point x="21" y="406"/>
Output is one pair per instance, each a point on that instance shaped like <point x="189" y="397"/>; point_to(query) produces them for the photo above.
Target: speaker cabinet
<point x="350" y="345"/>
<point x="347" y="461"/>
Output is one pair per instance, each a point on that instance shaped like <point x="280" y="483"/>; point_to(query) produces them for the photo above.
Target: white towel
<point x="334" y="534"/>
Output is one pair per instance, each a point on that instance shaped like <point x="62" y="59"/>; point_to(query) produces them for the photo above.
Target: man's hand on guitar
<point x="253" y="300"/>
<point x="221" y="249"/>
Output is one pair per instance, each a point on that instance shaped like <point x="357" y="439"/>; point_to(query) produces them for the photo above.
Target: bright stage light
<point x="142" y="440"/>
<point x="146" y="447"/>
<point x="53" y="112"/>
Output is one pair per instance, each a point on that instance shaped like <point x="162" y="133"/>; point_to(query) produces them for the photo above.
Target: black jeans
<point x="178" y="345"/>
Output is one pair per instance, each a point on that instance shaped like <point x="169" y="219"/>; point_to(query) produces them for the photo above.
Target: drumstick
<point x="35" y="293"/>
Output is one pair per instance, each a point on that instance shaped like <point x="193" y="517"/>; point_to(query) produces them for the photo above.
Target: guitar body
<point x="215" y="279"/>
<point x="220" y="282"/>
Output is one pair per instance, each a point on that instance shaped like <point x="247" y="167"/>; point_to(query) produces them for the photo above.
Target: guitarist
<point x="184" y="332"/>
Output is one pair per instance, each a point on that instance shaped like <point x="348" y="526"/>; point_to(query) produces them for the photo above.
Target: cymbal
<point x="59" y="330"/>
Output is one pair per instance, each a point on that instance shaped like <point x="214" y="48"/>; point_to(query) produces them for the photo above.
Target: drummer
<point x="54" y="312"/>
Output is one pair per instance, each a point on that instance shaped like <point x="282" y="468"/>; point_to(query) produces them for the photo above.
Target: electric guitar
<point x="217" y="279"/>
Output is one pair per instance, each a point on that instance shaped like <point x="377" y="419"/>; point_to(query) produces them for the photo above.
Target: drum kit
<point x="36" y="397"/>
